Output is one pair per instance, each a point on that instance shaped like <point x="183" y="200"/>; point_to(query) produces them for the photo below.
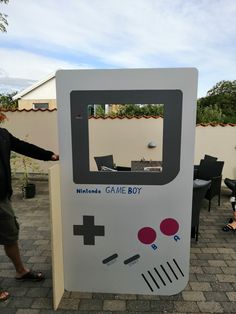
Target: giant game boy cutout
<point x="126" y="232"/>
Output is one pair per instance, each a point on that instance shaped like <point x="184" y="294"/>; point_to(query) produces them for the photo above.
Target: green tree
<point x="221" y="98"/>
<point x="100" y="111"/>
<point x="6" y="101"/>
<point x="223" y="87"/>
<point x="146" y="110"/>
<point x="210" y="114"/>
<point x="3" y="19"/>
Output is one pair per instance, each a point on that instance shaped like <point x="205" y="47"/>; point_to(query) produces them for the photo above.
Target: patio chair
<point x="200" y="188"/>
<point x="108" y="162"/>
<point x="207" y="158"/>
<point x="211" y="170"/>
<point x="210" y="158"/>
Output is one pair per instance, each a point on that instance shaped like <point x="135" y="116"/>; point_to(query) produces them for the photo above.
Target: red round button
<point x="169" y="226"/>
<point x="147" y="235"/>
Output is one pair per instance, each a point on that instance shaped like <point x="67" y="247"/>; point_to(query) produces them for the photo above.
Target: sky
<point x="47" y="35"/>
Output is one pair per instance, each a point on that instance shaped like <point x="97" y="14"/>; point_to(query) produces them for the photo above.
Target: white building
<point x="41" y="95"/>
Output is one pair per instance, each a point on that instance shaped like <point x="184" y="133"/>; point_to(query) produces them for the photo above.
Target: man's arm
<point x="31" y="150"/>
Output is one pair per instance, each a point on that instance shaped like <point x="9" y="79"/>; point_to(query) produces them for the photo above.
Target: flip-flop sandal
<point x="228" y="228"/>
<point x="4" y="295"/>
<point x="31" y="276"/>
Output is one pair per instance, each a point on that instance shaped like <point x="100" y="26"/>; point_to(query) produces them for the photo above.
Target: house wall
<point x="29" y="103"/>
<point x="41" y="127"/>
<point x="47" y="89"/>
<point x="37" y="127"/>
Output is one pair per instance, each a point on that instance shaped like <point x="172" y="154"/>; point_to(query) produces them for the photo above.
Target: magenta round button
<point x="147" y="235"/>
<point x="169" y="226"/>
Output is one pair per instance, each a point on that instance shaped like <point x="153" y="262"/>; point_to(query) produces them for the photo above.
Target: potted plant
<point x="25" y="165"/>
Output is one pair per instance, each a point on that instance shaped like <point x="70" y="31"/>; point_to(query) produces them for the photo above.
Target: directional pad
<point x="88" y="230"/>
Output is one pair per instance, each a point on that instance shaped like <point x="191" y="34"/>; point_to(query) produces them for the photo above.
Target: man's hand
<point x="55" y="157"/>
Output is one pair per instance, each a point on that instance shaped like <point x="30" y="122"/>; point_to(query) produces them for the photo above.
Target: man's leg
<point x="22" y="273"/>
<point x="233" y="203"/>
<point x="231" y="226"/>
<point x="13" y="252"/>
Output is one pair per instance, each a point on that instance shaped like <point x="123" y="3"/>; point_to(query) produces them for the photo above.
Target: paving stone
<point x="114" y="305"/>
<point x="5" y="265"/>
<point x="16" y="292"/>
<point x="233" y="255"/>
<point x="212" y="270"/>
<point x="214" y="295"/>
<point x="226" y="250"/>
<point x="204" y="256"/>
<point x="231" y="296"/>
<point x="103" y="296"/>
<point x="38" y="292"/>
<point x="102" y="312"/>
<point x="57" y="312"/>
<point x="199" y="263"/>
<point x="174" y="297"/>
<point x="147" y="297"/>
<point x="7" y="310"/>
<point x="226" y="278"/>
<point x="6" y="273"/>
<point x="132" y="312"/>
<point x="193" y="277"/>
<point x="196" y="270"/>
<point x="130" y="296"/>
<point x="224" y="257"/>
<point x="138" y="305"/>
<point x="229" y="270"/>
<point x="230" y="263"/>
<point x="209" y="250"/>
<point x="206" y="277"/>
<point x="229" y="307"/>
<point x="66" y="294"/>
<point x="27" y="311"/>
<point x="71" y="304"/>
<point x="47" y="282"/>
<point x="79" y="295"/>
<point x="195" y="250"/>
<point x="20" y="302"/>
<point x="186" y="307"/>
<point x="89" y="305"/>
<point x="222" y="286"/>
<point x="210" y="307"/>
<point x="37" y="259"/>
<point x="42" y="303"/>
<point x="193" y="296"/>
<point x="41" y="242"/>
<point x="217" y="263"/>
<point x="162" y="306"/>
<point x="43" y="267"/>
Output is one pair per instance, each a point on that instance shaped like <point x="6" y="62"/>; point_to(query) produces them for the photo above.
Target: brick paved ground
<point x="211" y="289"/>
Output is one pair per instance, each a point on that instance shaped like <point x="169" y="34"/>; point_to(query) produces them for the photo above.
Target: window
<point x="41" y="105"/>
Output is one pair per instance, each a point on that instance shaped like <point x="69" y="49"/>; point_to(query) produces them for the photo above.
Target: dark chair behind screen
<point x="210" y="158"/>
<point x="199" y="192"/>
<point x="211" y="170"/>
<point x="207" y="158"/>
<point x="106" y="161"/>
